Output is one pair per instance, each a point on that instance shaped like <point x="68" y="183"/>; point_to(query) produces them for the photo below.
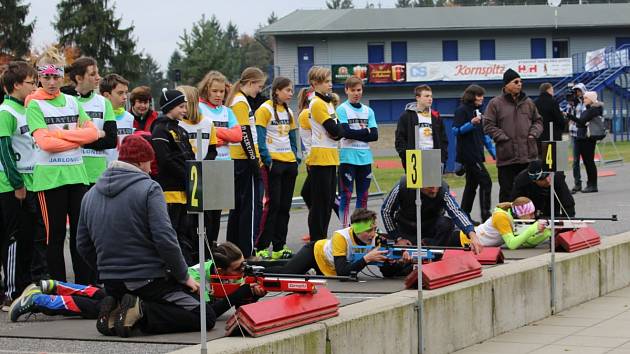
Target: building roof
<point x="449" y="19"/>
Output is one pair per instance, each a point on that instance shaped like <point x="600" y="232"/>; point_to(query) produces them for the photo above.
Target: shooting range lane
<point x="611" y="199"/>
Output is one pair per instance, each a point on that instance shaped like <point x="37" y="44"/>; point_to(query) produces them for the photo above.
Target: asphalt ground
<point x="64" y="335"/>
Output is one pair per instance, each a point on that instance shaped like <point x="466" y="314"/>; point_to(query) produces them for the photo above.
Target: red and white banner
<point x="488" y="69"/>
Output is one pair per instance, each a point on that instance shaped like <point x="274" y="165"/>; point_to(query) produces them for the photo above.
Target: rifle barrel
<point x="307" y="276"/>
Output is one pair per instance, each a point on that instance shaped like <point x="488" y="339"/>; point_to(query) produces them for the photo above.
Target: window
<point x="376" y="53"/>
<point x="399" y="52"/>
<point x="486" y="49"/>
<point x="539" y="48"/>
<point x="560" y="48"/>
<point x="449" y="50"/>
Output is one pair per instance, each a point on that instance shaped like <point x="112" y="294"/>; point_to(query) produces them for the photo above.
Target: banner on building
<point x="488" y="69"/>
<point x="386" y="73"/>
<point x="342" y="72"/>
<point x="605" y="58"/>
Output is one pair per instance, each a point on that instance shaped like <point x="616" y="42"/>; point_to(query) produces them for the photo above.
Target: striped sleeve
<point x="456" y="213"/>
<point x="389" y="210"/>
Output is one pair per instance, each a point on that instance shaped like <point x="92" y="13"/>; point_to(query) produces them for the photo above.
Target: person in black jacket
<point x="550" y="111"/>
<point x="470" y="142"/>
<point x="172" y="149"/>
<point x="585" y="144"/>
<point x="432" y="134"/>
<point x="535" y="184"/>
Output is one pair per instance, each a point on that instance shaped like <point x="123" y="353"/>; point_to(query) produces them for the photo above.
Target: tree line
<point x="91" y="28"/>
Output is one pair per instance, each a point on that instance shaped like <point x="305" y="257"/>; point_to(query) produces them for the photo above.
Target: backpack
<point x="596" y="128"/>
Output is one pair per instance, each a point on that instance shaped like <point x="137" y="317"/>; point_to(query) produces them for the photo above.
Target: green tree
<point x="15" y="33"/>
<point x="273" y="18"/>
<point x="207" y="47"/>
<point x="339" y="4"/>
<point x="91" y="26"/>
<point x="257" y="50"/>
<point x="174" y="63"/>
<point x="149" y="74"/>
<point x="404" y="3"/>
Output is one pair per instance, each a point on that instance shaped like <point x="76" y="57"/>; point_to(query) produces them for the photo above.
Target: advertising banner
<point x="342" y="72"/>
<point x="386" y="73"/>
<point x="488" y="69"/>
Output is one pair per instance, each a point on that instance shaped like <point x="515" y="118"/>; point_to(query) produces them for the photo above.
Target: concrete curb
<point x="504" y="298"/>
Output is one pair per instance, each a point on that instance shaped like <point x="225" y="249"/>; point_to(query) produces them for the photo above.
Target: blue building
<point x="408" y="42"/>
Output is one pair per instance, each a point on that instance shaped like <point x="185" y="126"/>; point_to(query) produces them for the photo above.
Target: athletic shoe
<point x="576" y="188"/>
<point x="264" y="254"/>
<point x="590" y="189"/>
<point x="48" y="286"/>
<point x="284" y="253"/>
<point x="24" y="304"/>
<point x="130" y="314"/>
<point x="107" y="315"/>
<point x="6" y="304"/>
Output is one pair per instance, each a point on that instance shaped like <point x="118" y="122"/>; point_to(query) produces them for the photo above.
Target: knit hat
<point x="170" y="99"/>
<point x="592" y="95"/>
<point x="135" y="149"/>
<point x="535" y="171"/>
<point x="509" y="75"/>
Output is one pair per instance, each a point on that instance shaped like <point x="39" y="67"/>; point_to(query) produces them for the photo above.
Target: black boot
<point x="485" y="199"/>
<point x="590" y="188"/>
<point x="576" y="188"/>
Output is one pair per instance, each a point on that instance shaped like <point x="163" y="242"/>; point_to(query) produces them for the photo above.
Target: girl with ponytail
<point x="277" y="143"/>
<point x="244" y="219"/>
<point x="499" y="229"/>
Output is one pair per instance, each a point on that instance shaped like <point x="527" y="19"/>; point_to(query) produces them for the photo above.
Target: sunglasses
<point x="517" y="82"/>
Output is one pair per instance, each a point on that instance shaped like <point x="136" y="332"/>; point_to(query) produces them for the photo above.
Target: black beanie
<point x="170" y="99"/>
<point x="509" y="75"/>
<point x="535" y="171"/>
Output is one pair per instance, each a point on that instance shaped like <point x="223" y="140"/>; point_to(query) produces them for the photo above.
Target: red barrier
<point x="489" y="255"/>
<point x="575" y="240"/>
<point x="454" y="269"/>
<point x="284" y="312"/>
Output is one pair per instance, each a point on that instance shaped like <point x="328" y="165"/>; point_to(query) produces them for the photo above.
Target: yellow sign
<point x="414" y="169"/>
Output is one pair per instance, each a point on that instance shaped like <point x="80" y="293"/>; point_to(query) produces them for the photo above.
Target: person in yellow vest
<point x="244" y="219"/>
<point x="324" y="156"/>
<point x="334" y="256"/>
<point x="192" y="122"/>
<point x="277" y="142"/>
<point x="499" y="229"/>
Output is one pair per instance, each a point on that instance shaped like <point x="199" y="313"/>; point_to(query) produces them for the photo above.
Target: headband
<point x="524" y="209"/>
<point x="538" y="175"/>
<point x="362" y="226"/>
<point x="50" y="69"/>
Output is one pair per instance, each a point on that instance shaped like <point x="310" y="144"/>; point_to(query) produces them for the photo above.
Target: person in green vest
<point x="85" y="78"/>
<point x="60" y="127"/>
<point x="17" y="204"/>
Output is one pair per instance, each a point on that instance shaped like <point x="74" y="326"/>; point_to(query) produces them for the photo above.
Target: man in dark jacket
<point x="432" y="134"/>
<point x="514" y="124"/>
<point x="535" y="184"/>
<point x="399" y="216"/>
<point x="124" y="233"/>
<point x="550" y="112"/>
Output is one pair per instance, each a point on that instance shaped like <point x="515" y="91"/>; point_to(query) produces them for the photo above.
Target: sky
<point x="158" y="26"/>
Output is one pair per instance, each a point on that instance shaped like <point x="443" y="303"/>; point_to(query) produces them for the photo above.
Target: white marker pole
<point x="552" y="211"/>
<point x="419" y="245"/>
<point x="202" y="259"/>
